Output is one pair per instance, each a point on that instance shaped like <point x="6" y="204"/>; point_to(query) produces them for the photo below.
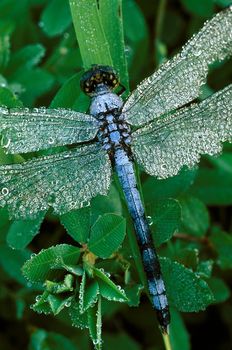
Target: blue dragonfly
<point x="153" y="127"/>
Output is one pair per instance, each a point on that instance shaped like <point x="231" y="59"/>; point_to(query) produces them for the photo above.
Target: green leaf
<point x="71" y="96"/>
<point x="55" y="25"/>
<point x="90" y="295"/>
<point x="189" y="257"/>
<point x="58" y="303"/>
<point x="107" y="288"/>
<point x="120" y="341"/>
<point x="41" y="304"/>
<point x="95" y="325"/>
<point x="223" y="3"/>
<point x="185" y="289"/>
<point x="11" y="262"/>
<point x="165" y="218"/>
<point x="219" y="288"/>
<point x="111" y="18"/>
<point x="205" y="268"/>
<point x="178" y="333"/>
<point x="42" y="340"/>
<point x="6" y="29"/>
<point x="90" y="34"/>
<point x="78" y="320"/>
<point x="39" y="267"/>
<point x="156" y="190"/>
<point x="213" y="187"/>
<point x="198" y="7"/>
<point x="26" y="58"/>
<point x="222" y="243"/>
<point x="7" y="98"/>
<point x="106" y="204"/>
<point x="137" y="40"/>
<point x="133" y="294"/>
<point x="107" y="235"/>
<point x="77" y="224"/>
<point x="35" y="82"/>
<point x="195" y="216"/>
<point x="21" y="232"/>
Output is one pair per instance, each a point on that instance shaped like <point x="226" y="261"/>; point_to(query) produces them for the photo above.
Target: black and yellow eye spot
<point x="115" y="82"/>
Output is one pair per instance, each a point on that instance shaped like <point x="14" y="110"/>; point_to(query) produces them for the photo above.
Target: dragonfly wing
<point x="168" y="143"/>
<point x="26" y="130"/>
<point x="178" y="81"/>
<point x="64" y="181"/>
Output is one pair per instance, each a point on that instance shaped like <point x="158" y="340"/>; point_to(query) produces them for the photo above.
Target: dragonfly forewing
<point x="24" y="130"/>
<point x="63" y="181"/>
<point x="178" y="81"/>
<point x="178" y="139"/>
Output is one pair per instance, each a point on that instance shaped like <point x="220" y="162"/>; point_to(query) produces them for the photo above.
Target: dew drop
<point x="5" y="191"/>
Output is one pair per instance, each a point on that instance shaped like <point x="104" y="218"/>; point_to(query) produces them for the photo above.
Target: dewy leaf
<point x="111" y="18"/>
<point x="90" y="34"/>
<point x="77" y="224"/>
<point x="95" y="325"/>
<point x="222" y="243"/>
<point x="78" y="320"/>
<point x="107" y="234"/>
<point x="41" y="304"/>
<point x="90" y="295"/>
<point x="55" y="25"/>
<point x="107" y="288"/>
<point x="22" y="232"/>
<point x="57" y="303"/>
<point x="195" y="216"/>
<point x="39" y="267"/>
<point x="165" y="219"/>
<point x="185" y="289"/>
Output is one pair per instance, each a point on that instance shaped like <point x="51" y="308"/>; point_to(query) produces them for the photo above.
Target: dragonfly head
<point x="99" y="79"/>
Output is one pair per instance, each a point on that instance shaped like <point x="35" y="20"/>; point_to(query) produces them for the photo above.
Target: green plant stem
<point x="167" y="342"/>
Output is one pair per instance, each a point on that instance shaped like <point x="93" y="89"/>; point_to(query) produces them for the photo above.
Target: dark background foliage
<point x="38" y="55"/>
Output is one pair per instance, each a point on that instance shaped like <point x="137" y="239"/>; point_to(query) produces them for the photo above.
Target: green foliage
<point x="98" y="272"/>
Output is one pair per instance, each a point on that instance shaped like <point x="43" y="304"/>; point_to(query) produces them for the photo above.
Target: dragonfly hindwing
<point x="25" y="130"/>
<point x="170" y="142"/>
<point x="64" y="181"/>
<point x="178" y="81"/>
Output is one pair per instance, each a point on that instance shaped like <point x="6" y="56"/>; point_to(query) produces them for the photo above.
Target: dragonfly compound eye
<point x="99" y="77"/>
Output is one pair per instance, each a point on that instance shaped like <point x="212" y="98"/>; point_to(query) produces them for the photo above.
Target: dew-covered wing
<point x="167" y="144"/>
<point x="63" y="181"/>
<point x="24" y="130"/>
<point x="178" y="81"/>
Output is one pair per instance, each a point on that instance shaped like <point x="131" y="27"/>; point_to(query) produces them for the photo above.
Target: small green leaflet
<point x="38" y="268"/>
<point x="185" y="289"/>
<point x="107" y="234"/>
